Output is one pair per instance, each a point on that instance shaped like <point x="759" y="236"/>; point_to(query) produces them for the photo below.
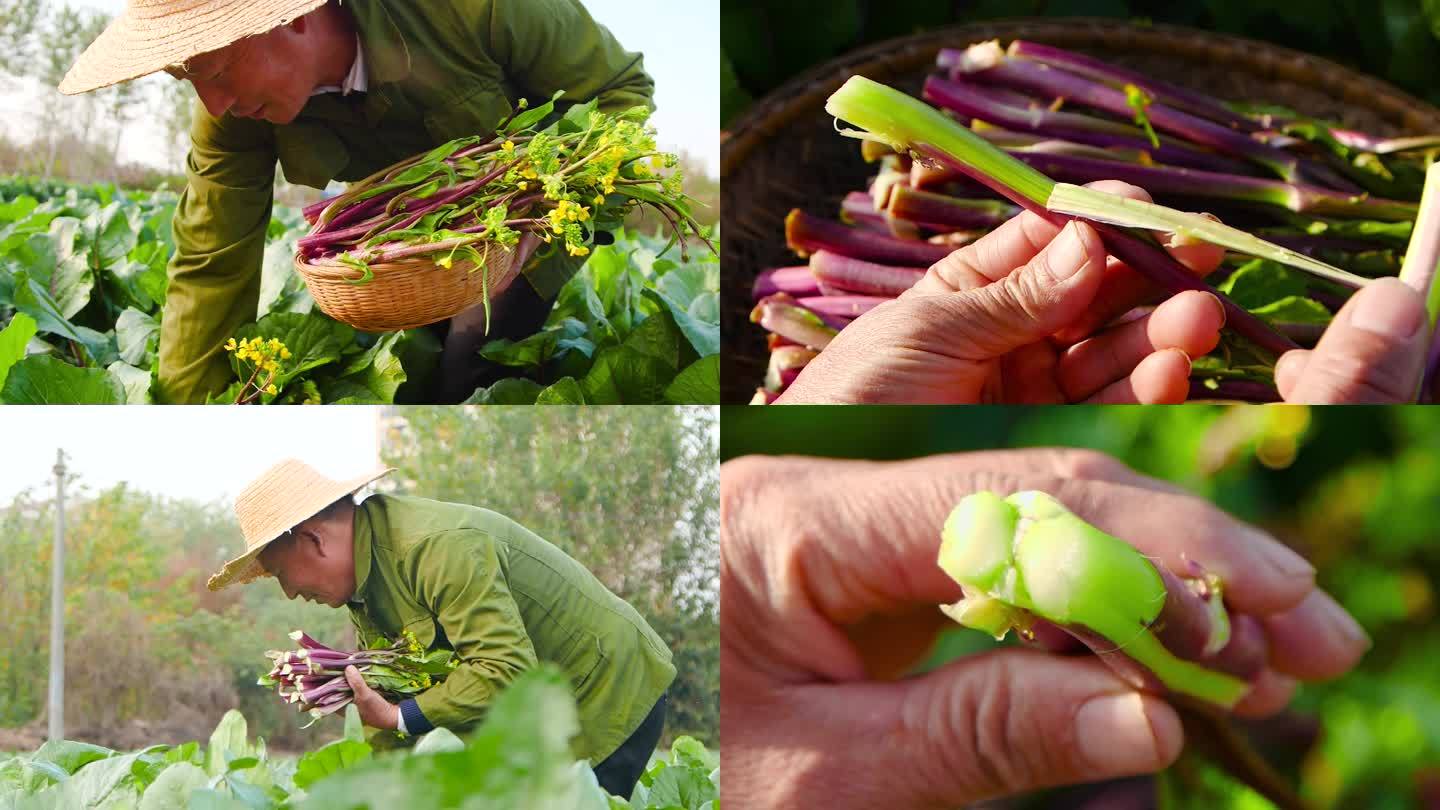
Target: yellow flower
<point x="271" y="389"/>
<point x="579" y="250"/>
<point x="284" y="353"/>
<point x="270" y="365"/>
<point x="508" y="146"/>
<point x="599" y="199"/>
<point x="529" y="173"/>
<point x="658" y="161"/>
<point x="522" y="185"/>
<point x="230" y="345"/>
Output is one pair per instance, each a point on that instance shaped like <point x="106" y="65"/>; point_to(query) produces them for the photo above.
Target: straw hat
<point x="273" y="504"/>
<point x="150" y="35"/>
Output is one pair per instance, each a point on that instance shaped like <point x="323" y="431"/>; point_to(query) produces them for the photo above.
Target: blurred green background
<point x="763" y="44"/>
<point x="1356" y="490"/>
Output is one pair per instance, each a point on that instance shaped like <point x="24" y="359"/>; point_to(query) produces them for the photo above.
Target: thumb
<point x="1017" y="720"/>
<point x="357" y="683"/>
<point x="1035" y="301"/>
<point x="1372" y="352"/>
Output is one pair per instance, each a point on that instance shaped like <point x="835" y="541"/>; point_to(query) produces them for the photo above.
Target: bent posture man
<point x="466" y="579"/>
<point x="337" y="91"/>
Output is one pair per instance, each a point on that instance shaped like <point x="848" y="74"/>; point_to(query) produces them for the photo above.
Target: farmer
<point x="336" y="91"/>
<point x="465" y="579"/>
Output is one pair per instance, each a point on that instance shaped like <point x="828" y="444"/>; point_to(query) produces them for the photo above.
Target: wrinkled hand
<point x="829" y="590"/>
<point x="978" y="327"/>
<point x="1373" y="352"/>
<point x="375" y="711"/>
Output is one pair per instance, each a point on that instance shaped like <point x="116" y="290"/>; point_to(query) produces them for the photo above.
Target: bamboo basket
<point x="784" y="152"/>
<point x="408" y="293"/>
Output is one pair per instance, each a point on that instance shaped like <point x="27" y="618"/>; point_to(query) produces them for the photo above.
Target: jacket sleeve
<point x="548" y="45"/>
<point x="219" y="232"/>
<point x="456" y="576"/>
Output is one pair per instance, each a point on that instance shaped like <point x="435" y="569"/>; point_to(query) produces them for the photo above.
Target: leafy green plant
<point x="519" y="758"/>
<point x="83" y="280"/>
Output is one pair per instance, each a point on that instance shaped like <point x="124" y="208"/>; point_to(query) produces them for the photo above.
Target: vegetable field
<point x="519" y="758"/>
<point x="83" y="281"/>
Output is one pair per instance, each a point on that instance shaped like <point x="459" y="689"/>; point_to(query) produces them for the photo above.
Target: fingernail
<point x="1067" y="255"/>
<point x="1115" y="735"/>
<point x="1388" y="309"/>
<point x="1220" y="305"/>
<point x="1281" y="557"/>
<point x="1343" y="623"/>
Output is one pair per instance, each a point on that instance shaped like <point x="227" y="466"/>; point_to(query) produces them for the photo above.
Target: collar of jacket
<point x="387" y="55"/>
<point x="364" y="554"/>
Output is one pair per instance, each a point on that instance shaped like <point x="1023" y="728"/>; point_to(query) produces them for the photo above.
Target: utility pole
<point x="57" y="607"/>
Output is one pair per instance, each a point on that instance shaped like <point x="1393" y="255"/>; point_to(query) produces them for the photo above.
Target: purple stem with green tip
<point x="1037" y="78"/>
<point x="972" y="100"/>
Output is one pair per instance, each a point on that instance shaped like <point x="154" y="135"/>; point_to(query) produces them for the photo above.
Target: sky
<point x="195" y="452"/>
<point x="681" y="44"/>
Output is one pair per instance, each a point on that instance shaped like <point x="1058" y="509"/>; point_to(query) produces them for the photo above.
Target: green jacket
<point x="473" y="581"/>
<point x="437" y="70"/>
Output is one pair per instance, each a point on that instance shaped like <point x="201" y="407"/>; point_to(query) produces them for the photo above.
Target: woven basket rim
<point x="808" y="90"/>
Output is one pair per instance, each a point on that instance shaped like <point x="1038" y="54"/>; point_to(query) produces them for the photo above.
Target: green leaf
<point x="34" y="300"/>
<point x="378" y="370"/>
<point x="69" y="755"/>
<point x="563" y="392"/>
<point x="68" y="280"/>
<point x="13" y="339"/>
<point x="134" y="381"/>
<point x="109" y="234"/>
<point x="1295" y="309"/>
<point x="171" y="790"/>
<point x="314" y="340"/>
<point x="542" y="347"/>
<point x="438" y="741"/>
<point x="42" y="380"/>
<point x="229" y="741"/>
<point x="623" y="375"/>
<point x="509" y="391"/>
<point x="703" y="336"/>
<point x="133" y="330"/>
<point x="698" y="384"/>
<point x="1261" y="282"/>
<point x="329" y="759"/>
<point x="529" y="118"/>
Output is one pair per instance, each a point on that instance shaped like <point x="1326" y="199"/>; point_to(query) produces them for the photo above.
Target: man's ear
<point x="312" y="539"/>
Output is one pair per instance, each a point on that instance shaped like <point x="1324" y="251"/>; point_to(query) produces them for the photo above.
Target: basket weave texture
<point x="784" y="152"/>
<point x="407" y="293"/>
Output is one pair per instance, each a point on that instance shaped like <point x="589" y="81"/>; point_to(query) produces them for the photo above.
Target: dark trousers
<point x="517" y="313"/>
<point x="621" y="770"/>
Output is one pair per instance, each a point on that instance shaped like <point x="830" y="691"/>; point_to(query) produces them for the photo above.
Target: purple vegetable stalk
<point x="987" y="62"/>
<point x="806" y="233"/>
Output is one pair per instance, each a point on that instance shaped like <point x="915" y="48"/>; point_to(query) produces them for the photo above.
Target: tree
<point x="65" y="35"/>
<point x="18" y="22"/>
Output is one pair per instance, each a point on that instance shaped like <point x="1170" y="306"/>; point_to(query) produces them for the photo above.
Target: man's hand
<point x="829" y="590"/>
<point x="1373" y="352"/>
<point x="375" y="711"/>
<point x="979" y="327"/>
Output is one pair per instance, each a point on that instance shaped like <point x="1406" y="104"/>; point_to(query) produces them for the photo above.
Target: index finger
<point x="865" y="535"/>
<point x="1003" y="250"/>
